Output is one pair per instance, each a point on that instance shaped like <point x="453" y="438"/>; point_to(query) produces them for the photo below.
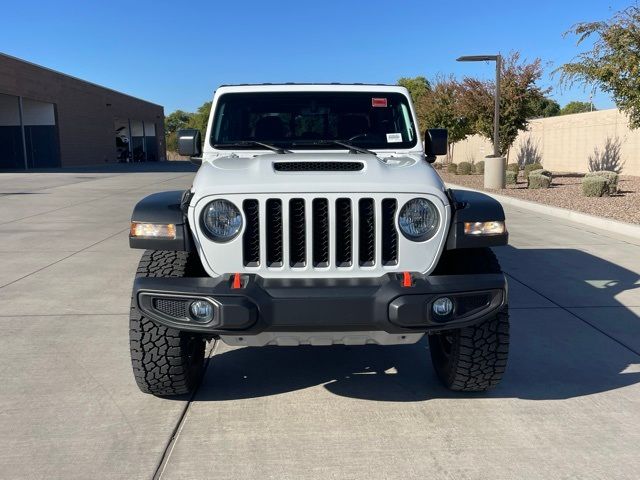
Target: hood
<point x="316" y="173"/>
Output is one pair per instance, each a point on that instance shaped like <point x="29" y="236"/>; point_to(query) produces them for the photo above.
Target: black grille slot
<point x="318" y="166"/>
<point x="320" y="232"/>
<point x="468" y="303"/>
<point x="389" y="232"/>
<point x="344" y="233"/>
<point x="251" y="238"/>
<point x="297" y="237"/>
<point x="171" y="308"/>
<point x="274" y="232"/>
<point x="367" y="232"/>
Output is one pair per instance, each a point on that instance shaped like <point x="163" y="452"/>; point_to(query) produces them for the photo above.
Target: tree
<point x="200" y="119"/>
<point x="576" y="107"/>
<point x="176" y="120"/>
<point x="172" y="123"/>
<point x="613" y="62"/>
<point x="518" y="90"/>
<point x="419" y="87"/>
<point x="179" y="119"/>
<point x="441" y="109"/>
<point x="543" y="107"/>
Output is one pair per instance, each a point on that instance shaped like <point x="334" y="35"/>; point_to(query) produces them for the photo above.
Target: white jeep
<point x="316" y="218"/>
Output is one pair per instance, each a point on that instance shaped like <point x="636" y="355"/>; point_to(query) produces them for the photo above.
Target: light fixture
<point x="153" y="230"/>
<point x="442" y="306"/>
<point x="484" y="228"/>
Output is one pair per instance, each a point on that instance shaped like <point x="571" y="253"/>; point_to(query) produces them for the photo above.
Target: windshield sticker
<point x="394" y="138"/>
<point x="378" y="102"/>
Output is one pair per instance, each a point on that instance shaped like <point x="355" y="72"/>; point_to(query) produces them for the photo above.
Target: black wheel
<point x="474" y="358"/>
<point x="165" y="361"/>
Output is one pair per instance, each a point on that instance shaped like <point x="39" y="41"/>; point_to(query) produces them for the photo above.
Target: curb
<point x="614" y="226"/>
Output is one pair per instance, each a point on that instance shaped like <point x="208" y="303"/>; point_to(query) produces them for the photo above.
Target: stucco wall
<point x="566" y="142"/>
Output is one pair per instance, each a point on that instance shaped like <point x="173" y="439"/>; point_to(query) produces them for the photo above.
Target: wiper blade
<point x="246" y="143"/>
<point x="353" y="148"/>
<point x="348" y="146"/>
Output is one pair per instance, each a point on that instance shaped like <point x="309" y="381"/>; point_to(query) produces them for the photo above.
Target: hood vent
<point x="318" y="166"/>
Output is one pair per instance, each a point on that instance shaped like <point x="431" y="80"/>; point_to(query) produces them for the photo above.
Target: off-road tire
<point x="474" y="358"/>
<point x="165" y="361"/>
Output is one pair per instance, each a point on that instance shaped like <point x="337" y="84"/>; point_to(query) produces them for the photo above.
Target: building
<point x="49" y="119"/>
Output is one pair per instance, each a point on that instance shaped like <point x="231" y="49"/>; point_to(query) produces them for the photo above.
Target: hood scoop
<point x="312" y="166"/>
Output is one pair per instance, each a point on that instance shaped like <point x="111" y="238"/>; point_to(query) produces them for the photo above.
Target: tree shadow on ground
<point x="554" y="354"/>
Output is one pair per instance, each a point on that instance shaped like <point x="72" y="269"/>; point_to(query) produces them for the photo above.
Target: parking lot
<point x="569" y="405"/>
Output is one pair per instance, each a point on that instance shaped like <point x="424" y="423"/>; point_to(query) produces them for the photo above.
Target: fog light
<point x="201" y="311"/>
<point x="443" y="306"/>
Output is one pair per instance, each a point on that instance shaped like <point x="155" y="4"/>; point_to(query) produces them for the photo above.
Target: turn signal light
<point x="484" y="228"/>
<point x="153" y="230"/>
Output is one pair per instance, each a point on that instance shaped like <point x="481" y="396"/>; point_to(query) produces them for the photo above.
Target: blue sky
<point x="177" y="53"/>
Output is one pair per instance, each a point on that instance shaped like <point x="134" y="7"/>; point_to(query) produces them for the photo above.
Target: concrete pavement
<point x="569" y="406"/>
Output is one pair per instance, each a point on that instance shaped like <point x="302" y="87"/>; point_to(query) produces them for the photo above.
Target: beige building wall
<point x="566" y="142"/>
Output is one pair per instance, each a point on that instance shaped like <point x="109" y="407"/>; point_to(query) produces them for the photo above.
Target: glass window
<point x="11" y="146"/>
<point x="311" y="120"/>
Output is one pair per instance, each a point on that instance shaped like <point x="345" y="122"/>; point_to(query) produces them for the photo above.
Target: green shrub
<point x="530" y="168"/>
<point x="542" y="171"/>
<point x="511" y="177"/>
<point x="536" y="181"/>
<point x="513" y="167"/>
<point x="595" y="186"/>
<point x="478" y="167"/>
<point x="465" y="168"/>
<point x="452" y="168"/>
<point x="610" y="177"/>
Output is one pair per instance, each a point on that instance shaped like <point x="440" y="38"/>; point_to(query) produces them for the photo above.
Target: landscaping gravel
<point x="566" y="192"/>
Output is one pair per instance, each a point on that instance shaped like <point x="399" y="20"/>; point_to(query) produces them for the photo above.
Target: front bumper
<point x="320" y="305"/>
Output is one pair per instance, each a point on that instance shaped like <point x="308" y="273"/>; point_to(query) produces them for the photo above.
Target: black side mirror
<point x="436" y="142"/>
<point x="190" y="144"/>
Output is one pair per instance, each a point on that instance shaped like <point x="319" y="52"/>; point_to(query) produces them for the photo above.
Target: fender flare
<point x="164" y="208"/>
<point x="470" y="206"/>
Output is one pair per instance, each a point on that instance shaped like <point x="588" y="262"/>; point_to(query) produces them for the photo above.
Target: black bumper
<point x="322" y="305"/>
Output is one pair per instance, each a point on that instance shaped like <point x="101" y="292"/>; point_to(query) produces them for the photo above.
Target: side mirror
<point x="189" y="143"/>
<point x="436" y="142"/>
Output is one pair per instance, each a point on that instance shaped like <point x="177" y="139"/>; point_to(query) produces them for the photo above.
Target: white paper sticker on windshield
<point x="394" y="138"/>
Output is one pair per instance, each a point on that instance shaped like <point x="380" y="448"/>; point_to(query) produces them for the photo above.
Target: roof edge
<point x="11" y="57"/>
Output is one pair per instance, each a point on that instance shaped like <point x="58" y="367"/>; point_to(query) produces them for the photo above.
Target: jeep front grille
<point x="314" y="227"/>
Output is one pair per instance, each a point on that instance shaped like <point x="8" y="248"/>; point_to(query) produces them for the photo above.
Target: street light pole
<point x="494" y="169"/>
<point x="496" y="109"/>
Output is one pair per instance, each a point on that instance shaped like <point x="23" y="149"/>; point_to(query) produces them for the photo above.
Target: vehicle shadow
<point x="553" y="355"/>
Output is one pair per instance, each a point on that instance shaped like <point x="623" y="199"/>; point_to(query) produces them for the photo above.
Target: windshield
<point x="313" y="120"/>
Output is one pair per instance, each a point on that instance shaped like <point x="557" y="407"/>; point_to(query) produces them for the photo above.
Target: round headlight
<point x="419" y="219"/>
<point x="221" y="220"/>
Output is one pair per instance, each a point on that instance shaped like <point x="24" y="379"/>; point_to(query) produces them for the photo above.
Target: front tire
<point x="165" y="361"/>
<point x="473" y="358"/>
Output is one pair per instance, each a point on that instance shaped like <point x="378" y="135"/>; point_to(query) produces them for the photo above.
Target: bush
<point x="511" y="177"/>
<point x="513" y="167"/>
<point x="465" y="168"/>
<point x="530" y="168"/>
<point x="478" y="168"/>
<point x="610" y="177"/>
<point x="595" y="186"/>
<point x="537" y="181"/>
<point x="452" y="168"/>
<point x="542" y="171"/>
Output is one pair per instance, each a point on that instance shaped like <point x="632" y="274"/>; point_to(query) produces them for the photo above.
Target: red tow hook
<point x="406" y="280"/>
<point x="237" y="281"/>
